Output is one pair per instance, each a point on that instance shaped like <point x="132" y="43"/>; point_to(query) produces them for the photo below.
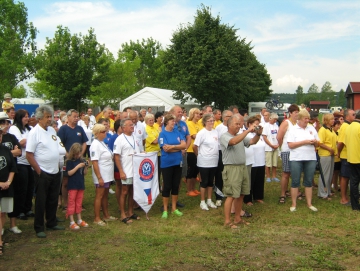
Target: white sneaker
<point x="111" y="191"/>
<point x="15" y="230"/>
<point x="211" y="204"/>
<point x="313" y="208"/>
<point x="218" y="203"/>
<point x="203" y="206"/>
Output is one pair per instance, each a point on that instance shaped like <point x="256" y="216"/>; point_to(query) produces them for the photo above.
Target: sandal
<point x="300" y="196"/>
<point x="287" y="194"/>
<point x="100" y="223"/>
<point x="242" y="222"/>
<point x="246" y="214"/>
<point x="135" y="217"/>
<point x="127" y="220"/>
<point x="111" y="218"/>
<point x="282" y="200"/>
<point x="231" y="225"/>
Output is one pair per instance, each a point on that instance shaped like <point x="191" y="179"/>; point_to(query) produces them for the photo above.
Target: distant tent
<point x="157" y="98"/>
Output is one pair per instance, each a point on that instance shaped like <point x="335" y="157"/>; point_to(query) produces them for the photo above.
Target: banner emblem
<point x="146" y="170"/>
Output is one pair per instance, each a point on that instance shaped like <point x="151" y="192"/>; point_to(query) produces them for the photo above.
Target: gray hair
<point x="357" y="114"/>
<point x="122" y="123"/>
<point x="41" y="110"/>
<point x="106" y="108"/>
<point x="205" y="107"/>
<point x="232" y="119"/>
<point x="71" y="111"/>
<point x="142" y="110"/>
<point x="224" y="113"/>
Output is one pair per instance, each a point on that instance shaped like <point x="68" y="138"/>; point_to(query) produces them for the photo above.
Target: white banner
<point x="146" y="185"/>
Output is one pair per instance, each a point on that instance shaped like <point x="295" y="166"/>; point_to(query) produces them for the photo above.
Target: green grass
<point x="276" y="239"/>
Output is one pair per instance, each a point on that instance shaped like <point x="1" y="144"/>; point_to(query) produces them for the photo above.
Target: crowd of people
<point x="228" y="155"/>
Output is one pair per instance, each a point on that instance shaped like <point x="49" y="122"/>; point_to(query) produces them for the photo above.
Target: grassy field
<point x="276" y="239"/>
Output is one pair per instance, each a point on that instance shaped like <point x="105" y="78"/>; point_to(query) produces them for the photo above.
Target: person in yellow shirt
<point x="194" y="128"/>
<point x="151" y="143"/>
<point x="327" y="151"/>
<point x="107" y="111"/>
<point x="337" y="161"/>
<point x="352" y="142"/>
<point x="6" y="103"/>
<point x="217" y="117"/>
<point x="158" y="120"/>
<point x="207" y="109"/>
<point x="349" y="115"/>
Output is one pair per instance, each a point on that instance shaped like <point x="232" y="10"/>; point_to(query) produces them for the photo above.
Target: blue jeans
<point x="297" y="167"/>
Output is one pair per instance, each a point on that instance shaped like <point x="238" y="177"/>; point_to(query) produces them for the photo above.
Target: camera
<point x="257" y="128"/>
<point x="85" y="162"/>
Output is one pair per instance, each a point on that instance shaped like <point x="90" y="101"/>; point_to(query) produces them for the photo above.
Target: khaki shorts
<point x="128" y="181"/>
<point x="236" y="181"/>
<point x="6" y="205"/>
<point x="271" y="158"/>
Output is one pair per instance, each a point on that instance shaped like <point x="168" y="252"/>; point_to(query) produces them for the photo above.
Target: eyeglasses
<point x="210" y="121"/>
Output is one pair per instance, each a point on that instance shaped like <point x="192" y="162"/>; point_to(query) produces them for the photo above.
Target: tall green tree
<point x="313" y="89"/>
<point x="299" y="94"/>
<point x="150" y="71"/>
<point x="19" y="92"/>
<point x="71" y="66"/>
<point x="209" y="62"/>
<point x="17" y="45"/>
<point x="341" y="98"/>
<point x="327" y="93"/>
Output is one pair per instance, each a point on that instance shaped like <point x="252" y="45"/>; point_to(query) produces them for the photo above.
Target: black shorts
<point x="337" y="166"/>
<point x="192" y="167"/>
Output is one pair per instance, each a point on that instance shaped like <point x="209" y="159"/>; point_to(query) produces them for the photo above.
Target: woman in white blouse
<point x="102" y="173"/>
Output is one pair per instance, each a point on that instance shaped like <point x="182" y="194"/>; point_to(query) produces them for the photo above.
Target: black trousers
<point x="354" y="186"/>
<point x="171" y="180"/>
<point x="23" y="190"/>
<point x="257" y="184"/>
<point x="47" y="191"/>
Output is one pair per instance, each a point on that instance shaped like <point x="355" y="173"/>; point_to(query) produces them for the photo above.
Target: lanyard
<point x="129" y="142"/>
<point x="106" y="147"/>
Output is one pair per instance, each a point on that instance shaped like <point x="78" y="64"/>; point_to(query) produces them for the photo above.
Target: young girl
<point x="76" y="168"/>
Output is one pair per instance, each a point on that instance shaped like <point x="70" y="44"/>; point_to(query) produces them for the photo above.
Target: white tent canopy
<point x="153" y="97"/>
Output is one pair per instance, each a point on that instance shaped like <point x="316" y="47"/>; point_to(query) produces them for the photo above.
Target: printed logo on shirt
<point x="9" y="145"/>
<point x="178" y="138"/>
<point x="3" y="163"/>
<point x="78" y="134"/>
<point x="54" y="137"/>
<point x="184" y="129"/>
<point x="92" y="154"/>
<point x="273" y="132"/>
<point x="215" y="137"/>
<point x="139" y="132"/>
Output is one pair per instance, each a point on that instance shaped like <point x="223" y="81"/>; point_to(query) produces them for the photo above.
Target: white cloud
<point x="335" y="6"/>
<point x="113" y="26"/>
<point x="288" y="74"/>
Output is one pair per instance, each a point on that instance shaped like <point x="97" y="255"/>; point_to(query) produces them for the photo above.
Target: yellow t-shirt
<point x="194" y="128"/>
<point x="216" y="123"/>
<point x="337" y="159"/>
<point x="342" y="134"/>
<point x="152" y="134"/>
<point x="328" y="138"/>
<point x="6" y="105"/>
<point x="352" y="141"/>
<point x="157" y="126"/>
<point x="200" y="124"/>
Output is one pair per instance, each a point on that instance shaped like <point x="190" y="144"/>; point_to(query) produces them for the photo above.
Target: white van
<point x="335" y="108"/>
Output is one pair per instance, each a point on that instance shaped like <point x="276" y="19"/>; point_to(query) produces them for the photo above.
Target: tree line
<point x="206" y="61"/>
<point x="326" y="93"/>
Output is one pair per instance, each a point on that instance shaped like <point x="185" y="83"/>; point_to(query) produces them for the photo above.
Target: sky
<point x="300" y="42"/>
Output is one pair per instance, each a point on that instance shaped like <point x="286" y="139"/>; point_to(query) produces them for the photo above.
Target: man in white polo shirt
<point x="43" y="156"/>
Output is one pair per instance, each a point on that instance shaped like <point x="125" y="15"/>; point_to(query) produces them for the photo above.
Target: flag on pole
<point x="146" y="187"/>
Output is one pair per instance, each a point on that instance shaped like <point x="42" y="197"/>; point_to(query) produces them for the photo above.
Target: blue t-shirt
<point x="111" y="147"/>
<point x="69" y="136"/>
<point x="169" y="159"/>
<point x="107" y="139"/>
<point x="182" y="128"/>
<point x="76" y="181"/>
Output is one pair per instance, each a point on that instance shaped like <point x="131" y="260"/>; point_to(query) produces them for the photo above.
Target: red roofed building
<point x="316" y="105"/>
<point x="352" y="95"/>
